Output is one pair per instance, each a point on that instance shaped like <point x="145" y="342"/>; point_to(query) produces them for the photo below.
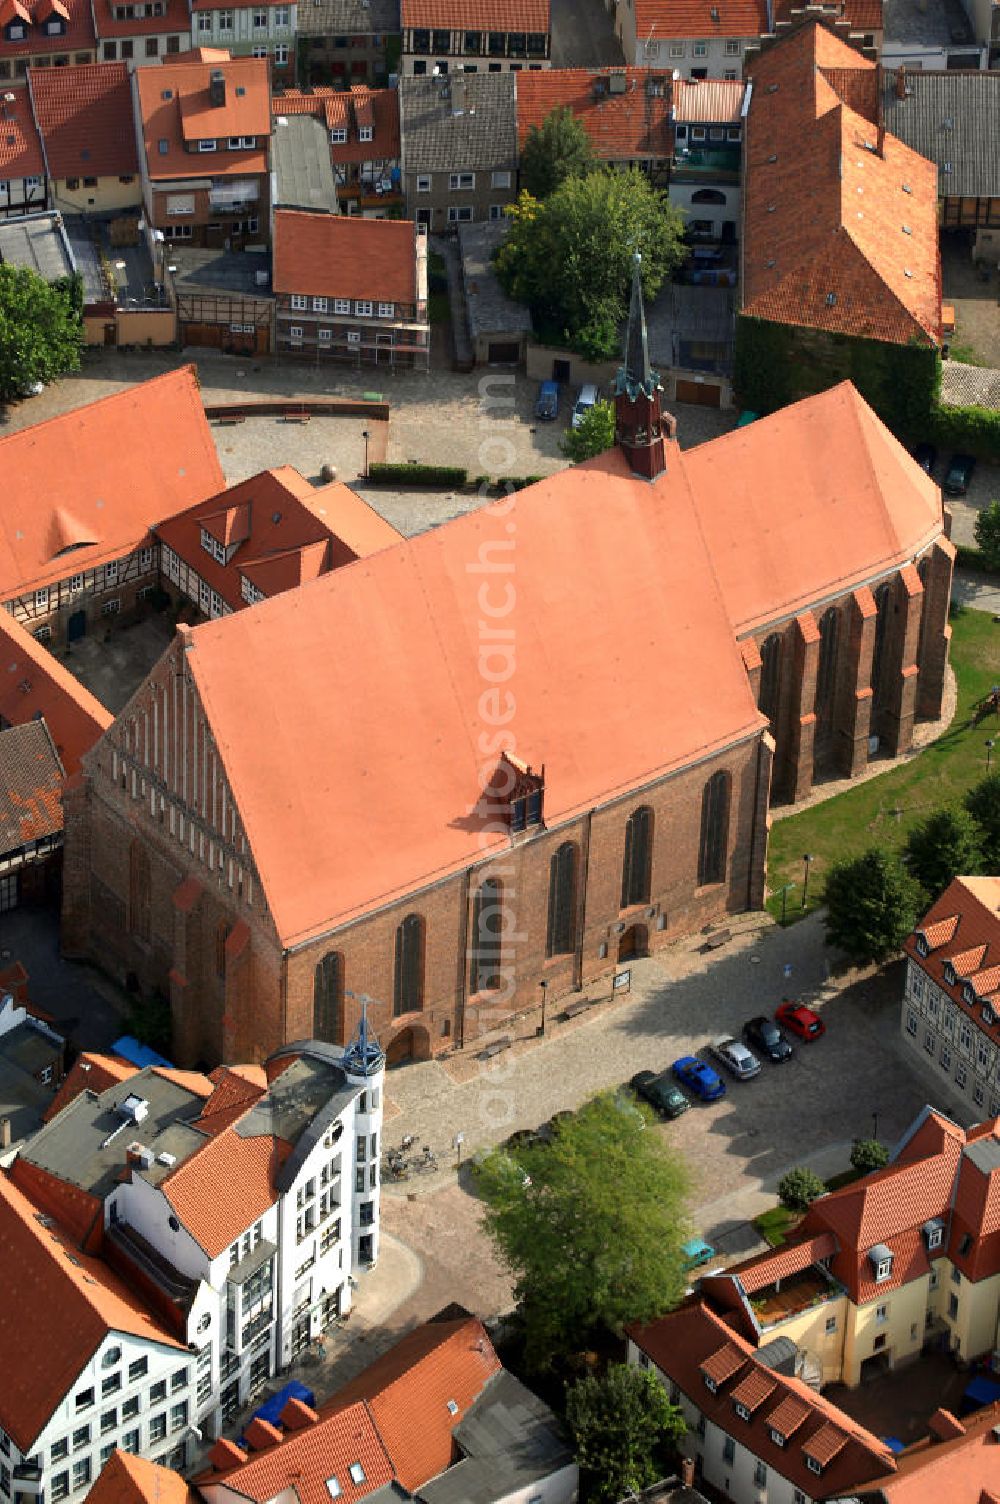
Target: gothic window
<point x="487" y="936"/>
<point x="562" y="901"/>
<point x="708" y="196"/>
<point x="408" y="980"/>
<point x="139" y="892"/>
<point x="770" y="675"/>
<point x="883" y="597"/>
<point x="328" y="998"/>
<point x="714" y="829"/>
<point x="826" y="673"/>
<point x="221" y="936"/>
<point x="637" y="866"/>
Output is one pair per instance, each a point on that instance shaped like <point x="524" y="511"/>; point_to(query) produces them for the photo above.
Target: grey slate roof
<point x="965" y="150"/>
<point x="342" y="17"/>
<point x="300" y="161"/>
<point x="490" y="310"/>
<point x="943" y="23"/>
<point x="510" y="1441"/>
<point x="38" y="242"/>
<point x="985" y="1155"/>
<point x="215" y="270"/>
<point x="465" y="121"/>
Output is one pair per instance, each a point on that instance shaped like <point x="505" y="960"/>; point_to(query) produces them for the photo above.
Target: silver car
<point x="738" y="1060"/>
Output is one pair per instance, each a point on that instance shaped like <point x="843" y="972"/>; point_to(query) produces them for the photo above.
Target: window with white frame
<point x="881" y="1315"/>
<point x="961" y="1076"/>
<point x="354" y="336"/>
<point x="251" y="595"/>
<point x="364" y="133"/>
<point x="205" y="20"/>
<point x="341" y="305"/>
<point x="281" y="16"/>
<point x="911" y="1022"/>
<point x="733" y="47"/>
<point x="260" y="20"/>
<point x="979" y="1094"/>
<point x="461" y="215"/>
<point x="225" y="20"/>
<point x="363" y="308"/>
<point x="213" y="546"/>
<point x="299" y="302"/>
<point x="497" y="211"/>
<point x="319" y="305"/>
<point x="965" y="1036"/>
<point x="460" y="180"/>
<point x="728" y="1449"/>
<point x="258" y="52"/>
<point x="324" y="336"/>
<point x="423" y="183"/>
<point x="111" y="572"/>
<point x="700" y="49"/>
<point x="111" y="608"/>
<point x="281" y="54"/>
<point x="945" y="1056"/>
<point x="982" y="1054"/>
<point x="930" y="1041"/>
<point x="242" y="143"/>
<point x="676" y="49"/>
<point x="500" y="179"/>
<point x="295" y="332"/>
<point x="41" y="600"/>
<point x="386" y="310"/>
<point x="338" y="134"/>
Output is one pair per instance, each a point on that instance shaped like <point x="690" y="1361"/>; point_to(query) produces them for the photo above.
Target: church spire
<point x="639" y="424"/>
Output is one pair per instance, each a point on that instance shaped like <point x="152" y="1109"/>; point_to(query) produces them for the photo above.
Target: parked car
<point x="959" y="474"/>
<point x="660" y="1092"/>
<point x="800" y="1019"/>
<point x="588" y="397"/>
<point x="696" y="1253"/>
<point x="547" y="401"/>
<point x="766" y="1037"/>
<point x="699" y="1078"/>
<point x="738" y="1060"/>
<point x="926" y="457"/>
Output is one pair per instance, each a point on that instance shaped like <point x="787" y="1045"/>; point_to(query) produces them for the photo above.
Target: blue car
<point x="699" y="1078"/>
<point x="547" y="403"/>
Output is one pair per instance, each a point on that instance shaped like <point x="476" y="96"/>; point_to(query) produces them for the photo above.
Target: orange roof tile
<point x="342" y="256"/>
<point x="187" y="115"/>
<point x="20" y="143"/>
<point x="488" y="15"/>
<point x="89" y="1072"/>
<point x="779" y="1263"/>
<point x="174" y="18"/>
<point x="225" y="1185"/>
<point x="621" y="126"/>
<point x="116" y="467"/>
<point x="940" y="931"/>
<point x="860" y="15"/>
<point x="296" y="102"/>
<point x="235" y="1090"/>
<point x="861" y="505"/>
<point x="596" y="530"/>
<point x="788" y="1415"/>
<point x="85" y="117"/>
<point x="378" y="108"/>
<point x="353" y="522"/>
<point x="839" y="236"/>
<point x="78" y="36"/>
<point x="34" y="683"/>
<point x="962" y="1470"/>
<point x="696" y="18"/>
<point x="58" y="1306"/>
<point x="967" y="913"/>
<point x="129" y="1479"/>
<point x="709" y="100"/>
<point x="301" y="1464"/>
<point x="31" y="778"/>
<point x="754" y="1388"/>
<point x="825" y="1445"/>
<point x="723" y="1363"/>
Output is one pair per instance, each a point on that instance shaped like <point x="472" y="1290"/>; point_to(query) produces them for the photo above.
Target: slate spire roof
<point x="636" y="374"/>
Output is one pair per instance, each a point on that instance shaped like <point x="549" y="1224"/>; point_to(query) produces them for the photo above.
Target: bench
<point x="296" y="417"/>
<point x="719" y="937"/>
<point x="230" y="419"/>
<point x="496" y="1047"/>
<point x="573" y="1010"/>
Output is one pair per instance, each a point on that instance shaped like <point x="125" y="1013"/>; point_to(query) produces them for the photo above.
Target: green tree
<point x="945" y="845"/>
<point x="623" y="1423"/>
<point x="872" y="904"/>
<point x="595" y="434"/>
<point x="41" y="330"/>
<point x="983" y="803"/>
<point x="591" y="1226"/>
<point x="798" y="1187"/>
<point x="868" y="1154"/>
<point x="557" y="149"/>
<point x="988" y="534"/>
<point x="570" y="257"/>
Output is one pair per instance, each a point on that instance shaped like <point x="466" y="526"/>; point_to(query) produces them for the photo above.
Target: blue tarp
<point x="139" y="1054"/>
<point x="894" y="1444"/>
<point x="980" y="1392"/>
<point x="271" y="1409"/>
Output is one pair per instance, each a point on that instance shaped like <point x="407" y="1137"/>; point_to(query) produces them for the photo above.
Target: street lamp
<point x="543" y="984"/>
<point x="990" y="744"/>
<point x="806" y="859"/>
<point x="875" y="1126"/>
<point x="366" y="436"/>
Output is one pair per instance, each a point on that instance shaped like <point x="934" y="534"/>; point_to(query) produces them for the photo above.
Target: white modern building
<point x="221" y="1220"/>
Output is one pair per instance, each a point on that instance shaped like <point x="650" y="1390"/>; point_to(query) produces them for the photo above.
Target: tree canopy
<point x="623" y="1423"/>
<point x="798" y="1187"/>
<point x="41" y="330"/>
<point x="987" y="530"/>
<point x="983" y="803"/>
<point x="569" y="257"/>
<point x="590" y="1224"/>
<point x="557" y="149"/>
<point x="872" y="904"/>
<point x="595" y="434"/>
<point x="869" y="1154"/>
<point x="945" y="845"/>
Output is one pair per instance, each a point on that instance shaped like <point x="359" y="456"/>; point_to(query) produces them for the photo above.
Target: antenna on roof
<point x="363" y="1056"/>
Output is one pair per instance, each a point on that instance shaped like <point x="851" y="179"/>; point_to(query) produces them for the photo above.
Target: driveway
<point x="583" y="35"/>
<point x="88" y="1010"/>
<point x="974" y="293"/>
<point x="984" y="488"/>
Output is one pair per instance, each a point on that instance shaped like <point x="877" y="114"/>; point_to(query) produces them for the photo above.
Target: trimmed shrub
<point x="868" y="1154"/>
<point x="798" y="1187"/>
<point x="417" y="475"/>
<point x="975" y="430"/>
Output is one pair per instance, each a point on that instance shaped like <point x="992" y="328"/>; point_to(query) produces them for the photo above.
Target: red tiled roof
<point x="34" y="682"/>
<point x="78" y="36"/>
<point x="89" y="1072"/>
<point x="59" y="1304"/>
<point x="31" y="778"/>
<point x="860" y="15"/>
<point x="960" y="1470"/>
<point x="378" y="108"/>
<point x="708" y="100"/>
<point x="723" y="1363"/>
<point x="225" y="1186"/>
<point x="351" y="520"/>
<point x="105" y="473"/>
<point x="20" y="143"/>
<point x="940" y="931"/>
<point x="679" y="1345"/>
<point x="779" y="1263"/>
<point x="825" y="1445"/>
<point x="861" y="505"/>
<point x="295" y="102"/>
<point x="236" y="1088"/>
<point x="188" y="115"/>
<point x="621" y="126"/>
<point x="486" y="15"/>
<point x="696" y="18"/>
<point x="129" y="1479"/>
<point x="839" y="236"/>
<point x="85" y="117"/>
<point x="341" y="256"/>
<point x="270" y="521"/>
<point x="175" y="19"/>
<point x="967" y="915"/>
<point x="301" y="1464"/>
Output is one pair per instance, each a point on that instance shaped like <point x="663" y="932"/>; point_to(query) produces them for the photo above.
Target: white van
<point x="588" y="398"/>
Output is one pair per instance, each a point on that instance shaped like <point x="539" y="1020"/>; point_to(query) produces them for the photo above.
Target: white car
<point x="588" y="397"/>
<point x="738" y="1060"/>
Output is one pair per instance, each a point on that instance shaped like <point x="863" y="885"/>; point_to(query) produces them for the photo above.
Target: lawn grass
<point x="884" y="810"/>
<point x="775" y="1225"/>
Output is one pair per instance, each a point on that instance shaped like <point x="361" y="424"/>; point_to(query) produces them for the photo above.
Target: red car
<point x="800" y="1020"/>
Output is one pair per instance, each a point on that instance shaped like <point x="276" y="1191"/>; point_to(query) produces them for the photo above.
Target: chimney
<point x="217" y="88"/>
<point x="296" y="1416"/>
<point x="944" y="1426"/>
<point x="4" y="1133"/>
<point x="687" y="1472"/>
<point x="226" y="1454"/>
<point x="901" y="81"/>
<point x="260" y="1434"/>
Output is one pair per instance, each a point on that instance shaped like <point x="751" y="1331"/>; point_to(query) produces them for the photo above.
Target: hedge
<point x="417" y="475"/>
<point x="974" y="430"/>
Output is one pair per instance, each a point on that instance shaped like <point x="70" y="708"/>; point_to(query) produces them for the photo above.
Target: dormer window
<point x="55" y="28"/>
<point x="213" y="546"/>
<point x="923" y="949"/>
<point x="989" y="1017"/>
<point x="710" y="1384"/>
<point x="523" y="790"/>
<point x="949" y="973"/>
<point x="777" y="1437"/>
<point x="813" y="1465"/>
<point x="206" y="146"/>
<point x="880" y="1258"/>
<point x="741" y="1411"/>
<point x="934" y="1232"/>
<point x="15" y="32"/>
<point x="969" y="994"/>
